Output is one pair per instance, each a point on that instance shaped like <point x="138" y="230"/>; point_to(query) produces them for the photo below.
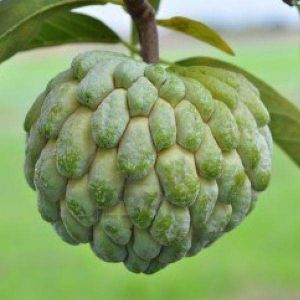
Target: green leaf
<point x="59" y="29"/>
<point x="20" y="20"/>
<point x="197" y="30"/>
<point x="285" y="115"/>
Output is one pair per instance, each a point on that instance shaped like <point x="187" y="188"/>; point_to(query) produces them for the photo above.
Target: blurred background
<point x="258" y="261"/>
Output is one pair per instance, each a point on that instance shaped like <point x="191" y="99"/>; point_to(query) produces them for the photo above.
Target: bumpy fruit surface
<point x="145" y="165"/>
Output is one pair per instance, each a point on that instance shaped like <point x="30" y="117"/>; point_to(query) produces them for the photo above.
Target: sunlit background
<point x="257" y="261"/>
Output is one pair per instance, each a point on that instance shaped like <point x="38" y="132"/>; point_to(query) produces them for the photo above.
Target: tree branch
<point x="143" y="16"/>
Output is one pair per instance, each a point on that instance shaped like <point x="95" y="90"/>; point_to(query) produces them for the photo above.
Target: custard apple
<point x="146" y="165"/>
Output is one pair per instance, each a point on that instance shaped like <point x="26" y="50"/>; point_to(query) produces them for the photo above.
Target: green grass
<point x="262" y="254"/>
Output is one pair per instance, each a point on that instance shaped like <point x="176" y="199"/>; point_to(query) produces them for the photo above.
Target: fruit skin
<point x="146" y="165"/>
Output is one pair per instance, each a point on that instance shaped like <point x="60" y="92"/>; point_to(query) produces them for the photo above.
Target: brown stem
<point x="143" y="16"/>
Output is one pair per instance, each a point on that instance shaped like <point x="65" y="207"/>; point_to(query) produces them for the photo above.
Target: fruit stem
<point x="143" y="15"/>
<point x="135" y="50"/>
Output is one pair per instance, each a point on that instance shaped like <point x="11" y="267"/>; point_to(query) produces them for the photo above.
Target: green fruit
<point x="146" y="165"/>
